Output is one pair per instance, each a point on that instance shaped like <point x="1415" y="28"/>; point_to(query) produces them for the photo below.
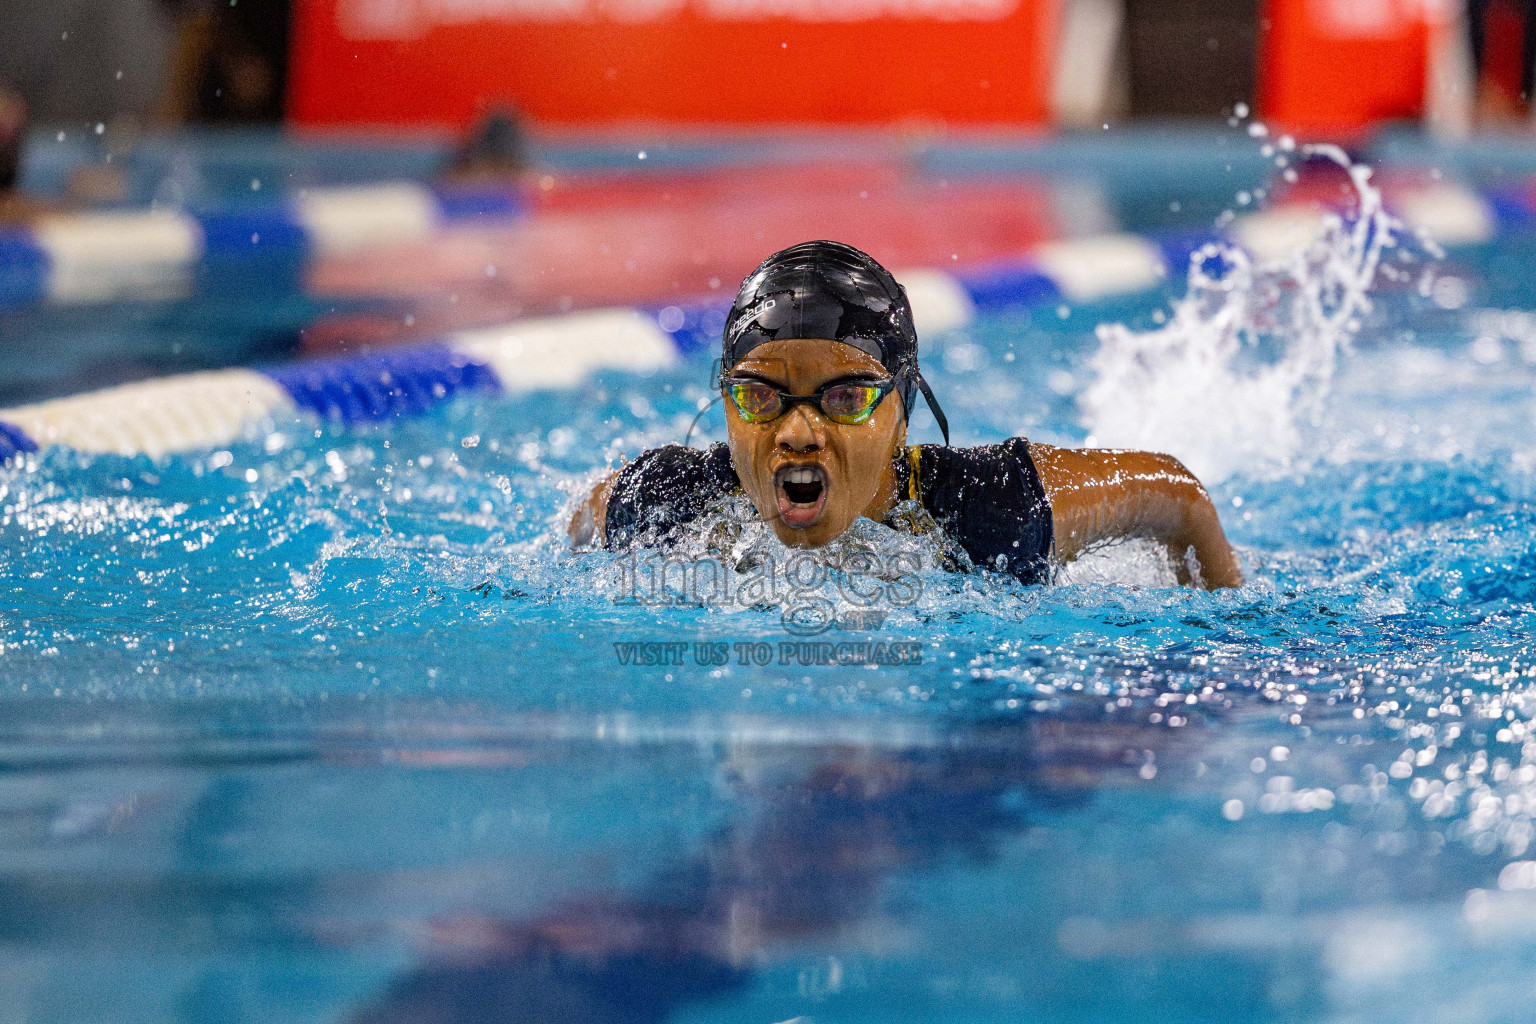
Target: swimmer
<point x="819" y="377"/>
<point x="495" y="151"/>
<point x="13" y="130"/>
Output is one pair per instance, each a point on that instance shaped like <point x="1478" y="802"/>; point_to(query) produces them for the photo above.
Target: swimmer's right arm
<point x="589" y="523"/>
<point x="1100" y="496"/>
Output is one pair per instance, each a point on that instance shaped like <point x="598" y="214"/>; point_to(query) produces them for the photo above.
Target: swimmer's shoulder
<point x="666" y="488"/>
<point x="989" y="498"/>
<point x="935" y="471"/>
<point x="712" y="462"/>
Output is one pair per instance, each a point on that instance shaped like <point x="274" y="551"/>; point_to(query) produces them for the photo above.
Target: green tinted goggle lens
<point x="842" y="403"/>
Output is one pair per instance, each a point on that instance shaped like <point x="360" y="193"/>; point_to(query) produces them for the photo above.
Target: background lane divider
<point x="382" y="385"/>
<point x="155" y="255"/>
<point x="203" y="410"/>
<point x="188" y="412"/>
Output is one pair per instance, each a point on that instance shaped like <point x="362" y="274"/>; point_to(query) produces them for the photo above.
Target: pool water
<point x="331" y="726"/>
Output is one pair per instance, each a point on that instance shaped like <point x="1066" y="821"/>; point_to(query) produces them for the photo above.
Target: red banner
<point x="442" y="62"/>
<point x="1331" y="66"/>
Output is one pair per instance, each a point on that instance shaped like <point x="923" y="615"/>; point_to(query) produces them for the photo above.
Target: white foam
<point x="1129" y="563"/>
<point x="1187" y="388"/>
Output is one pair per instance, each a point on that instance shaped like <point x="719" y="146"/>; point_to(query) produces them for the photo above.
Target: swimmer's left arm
<point x="1104" y="495"/>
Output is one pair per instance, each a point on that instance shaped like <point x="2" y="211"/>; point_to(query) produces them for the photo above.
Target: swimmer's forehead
<point x="820" y="356"/>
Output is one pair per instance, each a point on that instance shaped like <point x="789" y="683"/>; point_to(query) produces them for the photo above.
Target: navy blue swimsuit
<point x="988" y="499"/>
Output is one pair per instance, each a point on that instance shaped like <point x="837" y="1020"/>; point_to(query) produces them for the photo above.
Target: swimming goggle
<point x="847" y="402"/>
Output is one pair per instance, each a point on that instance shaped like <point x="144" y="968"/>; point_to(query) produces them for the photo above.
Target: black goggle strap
<point x="933" y="404"/>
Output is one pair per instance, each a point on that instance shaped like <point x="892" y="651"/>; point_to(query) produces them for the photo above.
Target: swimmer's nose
<point x="801" y="431"/>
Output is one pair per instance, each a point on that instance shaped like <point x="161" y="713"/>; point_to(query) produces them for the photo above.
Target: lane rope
<point x="199" y="411"/>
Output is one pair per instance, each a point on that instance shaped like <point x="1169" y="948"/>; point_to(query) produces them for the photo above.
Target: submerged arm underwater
<point x="1099" y="496"/>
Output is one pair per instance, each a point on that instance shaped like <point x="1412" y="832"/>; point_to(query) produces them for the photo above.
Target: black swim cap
<point x="831" y="291"/>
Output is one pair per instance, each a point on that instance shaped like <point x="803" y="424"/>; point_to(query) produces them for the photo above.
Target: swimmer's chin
<point x="807" y="539"/>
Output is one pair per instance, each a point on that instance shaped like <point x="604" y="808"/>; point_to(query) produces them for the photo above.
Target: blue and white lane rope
<point x="204" y="410"/>
<point x="157" y="255"/>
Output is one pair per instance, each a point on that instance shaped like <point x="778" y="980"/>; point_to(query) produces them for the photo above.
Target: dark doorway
<point x="1191" y="58"/>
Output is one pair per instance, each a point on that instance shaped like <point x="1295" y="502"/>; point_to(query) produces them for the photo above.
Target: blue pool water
<point x="330" y="726"/>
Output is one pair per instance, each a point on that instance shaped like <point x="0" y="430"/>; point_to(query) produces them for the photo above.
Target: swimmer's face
<point x="810" y="477"/>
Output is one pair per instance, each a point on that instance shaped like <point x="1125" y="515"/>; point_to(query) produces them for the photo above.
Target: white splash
<point x="1198" y="388"/>
<point x="1128" y="563"/>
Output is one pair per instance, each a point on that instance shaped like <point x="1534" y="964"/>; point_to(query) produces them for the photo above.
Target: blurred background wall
<point x="1317" y="66"/>
<point x="167" y="61"/>
<point x="1011" y="62"/>
<point x="87" y="61"/>
<point x="323" y="200"/>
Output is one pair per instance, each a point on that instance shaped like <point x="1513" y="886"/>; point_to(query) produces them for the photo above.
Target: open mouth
<point x="802" y="494"/>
